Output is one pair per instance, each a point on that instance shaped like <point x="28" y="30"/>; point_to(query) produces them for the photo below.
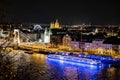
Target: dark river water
<point x="42" y="68"/>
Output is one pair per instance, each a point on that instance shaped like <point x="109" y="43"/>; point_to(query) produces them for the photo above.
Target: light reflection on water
<point x="47" y="69"/>
<point x="74" y="71"/>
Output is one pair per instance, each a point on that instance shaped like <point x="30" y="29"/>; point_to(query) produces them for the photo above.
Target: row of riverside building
<point x="108" y="46"/>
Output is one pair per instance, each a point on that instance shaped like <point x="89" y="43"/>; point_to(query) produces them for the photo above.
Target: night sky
<point x="67" y="12"/>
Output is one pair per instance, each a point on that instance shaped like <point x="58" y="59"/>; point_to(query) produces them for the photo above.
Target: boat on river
<point x="75" y="59"/>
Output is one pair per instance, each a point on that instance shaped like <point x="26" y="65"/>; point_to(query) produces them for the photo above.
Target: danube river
<point x="41" y="68"/>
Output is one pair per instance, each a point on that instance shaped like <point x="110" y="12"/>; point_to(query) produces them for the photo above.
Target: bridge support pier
<point x="16" y="36"/>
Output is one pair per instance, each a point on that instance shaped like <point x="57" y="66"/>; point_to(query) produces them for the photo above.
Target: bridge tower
<point x="16" y="36"/>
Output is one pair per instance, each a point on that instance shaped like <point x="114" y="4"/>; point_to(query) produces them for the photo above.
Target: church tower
<point x="55" y="25"/>
<point x="52" y="25"/>
<point x="47" y="34"/>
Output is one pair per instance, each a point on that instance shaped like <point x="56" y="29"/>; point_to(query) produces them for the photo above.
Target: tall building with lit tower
<point x="55" y="25"/>
<point x="45" y="36"/>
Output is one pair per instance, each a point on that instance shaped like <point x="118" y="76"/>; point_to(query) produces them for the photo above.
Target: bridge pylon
<point x="16" y="36"/>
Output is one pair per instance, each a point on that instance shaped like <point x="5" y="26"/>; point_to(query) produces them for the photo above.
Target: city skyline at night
<point x="59" y="40"/>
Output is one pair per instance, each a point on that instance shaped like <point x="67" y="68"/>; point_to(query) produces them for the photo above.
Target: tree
<point x="7" y="71"/>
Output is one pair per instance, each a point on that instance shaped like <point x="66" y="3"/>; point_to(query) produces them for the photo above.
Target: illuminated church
<point x="55" y="25"/>
<point x="45" y="37"/>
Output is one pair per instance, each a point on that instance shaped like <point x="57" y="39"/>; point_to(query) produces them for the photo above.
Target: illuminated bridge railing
<point x="24" y="36"/>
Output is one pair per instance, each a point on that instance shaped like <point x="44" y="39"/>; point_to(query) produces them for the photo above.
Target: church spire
<point x="55" y="25"/>
<point x="52" y="25"/>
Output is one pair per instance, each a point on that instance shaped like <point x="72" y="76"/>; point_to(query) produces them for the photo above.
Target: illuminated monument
<point x="55" y="25"/>
<point x="45" y="37"/>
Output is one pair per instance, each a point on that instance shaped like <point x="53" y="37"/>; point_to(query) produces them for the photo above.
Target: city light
<point x="59" y="40"/>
